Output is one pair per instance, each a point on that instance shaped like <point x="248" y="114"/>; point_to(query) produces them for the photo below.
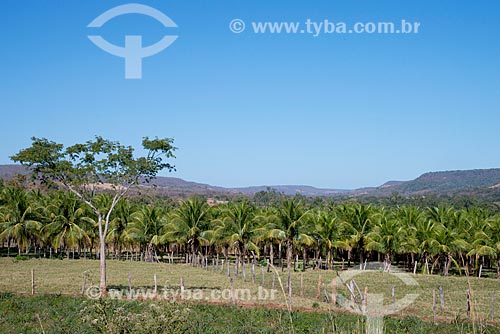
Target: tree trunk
<point x="498" y="267"/>
<point x="304" y="259"/>
<point x="271" y="253"/>
<point x="329" y="258"/>
<point x="289" y="254"/>
<point x="102" y="256"/>
<point x="448" y="265"/>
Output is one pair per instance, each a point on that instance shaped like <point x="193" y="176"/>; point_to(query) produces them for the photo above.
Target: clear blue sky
<point x="339" y="111"/>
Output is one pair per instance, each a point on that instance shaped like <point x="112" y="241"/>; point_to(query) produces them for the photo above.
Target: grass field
<point x="65" y="277"/>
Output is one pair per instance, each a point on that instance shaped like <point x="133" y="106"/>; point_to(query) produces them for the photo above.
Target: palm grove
<point x="83" y="211"/>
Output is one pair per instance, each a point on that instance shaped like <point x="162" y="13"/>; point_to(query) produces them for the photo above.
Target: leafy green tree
<point x="238" y="226"/>
<point x="146" y="228"/>
<point x="187" y="224"/>
<point x="356" y="224"/>
<point x="96" y="165"/>
<point x="118" y="227"/>
<point x="409" y="218"/>
<point x="292" y="227"/>
<point x="20" y="218"/>
<point x="327" y="230"/>
<point x="66" y="227"/>
<point x="385" y="236"/>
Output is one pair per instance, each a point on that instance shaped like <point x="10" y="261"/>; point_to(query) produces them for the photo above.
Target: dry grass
<point x="65" y="277"/>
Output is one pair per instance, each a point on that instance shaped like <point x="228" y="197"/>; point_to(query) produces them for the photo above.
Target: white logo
<point x="133" y="52"/>
<point x="374" y="309"/>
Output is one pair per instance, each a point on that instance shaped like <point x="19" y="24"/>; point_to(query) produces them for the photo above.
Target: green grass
<point x="65" y="277"/>
<point x="63" y="314"/>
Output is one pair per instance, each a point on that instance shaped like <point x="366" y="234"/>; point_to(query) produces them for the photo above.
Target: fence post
<point x="129" y="285"/>
<point x="434" y="304"/>
<point x="468" y="302"/>
<point x="156" y="286"/>
<point x="32" y="281"/>
<point x="441" y="298"/>
<point x="492" y="305"/>
<point x="318" y="294"/>
<point x="233" y="297"/>
<point x="364" y="301"/>
<point x="182" y="287"/>
<point x="334" y="291"/>
<point x="84" y="284"/>
<point x="351" y="284"/>
<point x="253" y="270"/>
<point x="393" y="295"/>
<point x="302" y="284"/>
<point x="262" y="271"/>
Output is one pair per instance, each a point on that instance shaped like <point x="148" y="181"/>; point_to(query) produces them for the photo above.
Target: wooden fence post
<point x="318" y="294"/>
<point x="434" y="305"/>
<point x="468" y="302"/>
<point x="441" y="298"/>
<point x="32" y="281"/>
<point x="492" y="313"/>
<point x="233" y="296"/>
<point x="364" y="301"/>
<point x="393" y="295"/>
<point x="84" y="283"/>
<point x="129" y="285"/>
<point x="156" y="286"/>
<point x="302" y="284"/>
<point x="262" y="272"/>
<point x="182" y="287"/>
<point x="351" y="284"/>
<point x="253" y="270"/>
<point x="334" y="291"/>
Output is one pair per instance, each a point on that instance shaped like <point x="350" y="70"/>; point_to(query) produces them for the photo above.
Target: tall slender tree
<point x="96" y="165"/>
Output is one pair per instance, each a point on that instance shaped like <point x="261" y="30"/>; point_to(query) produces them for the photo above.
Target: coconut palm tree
<point x="327" y="230"/>
<point x="292" y="227"/>
<point x="409" y="218"/>
<point x="21" y="218"/>
<point x="67" y="217"/>
<point x="118" y="226"/>
<point x="385" y="236"/>
<point x="238" y="226"/>
<point x="187" y="223"/>
<point x="146" y="228"/>
<point x="356" y="224"/>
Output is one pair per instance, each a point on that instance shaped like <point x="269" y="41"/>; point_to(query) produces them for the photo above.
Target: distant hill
<point x="448" y="181"/>
<point x="293" y="190"/>
<point x="434" y="182"/>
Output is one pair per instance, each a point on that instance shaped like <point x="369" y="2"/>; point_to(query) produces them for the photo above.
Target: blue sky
<point x="337" y="111"/>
